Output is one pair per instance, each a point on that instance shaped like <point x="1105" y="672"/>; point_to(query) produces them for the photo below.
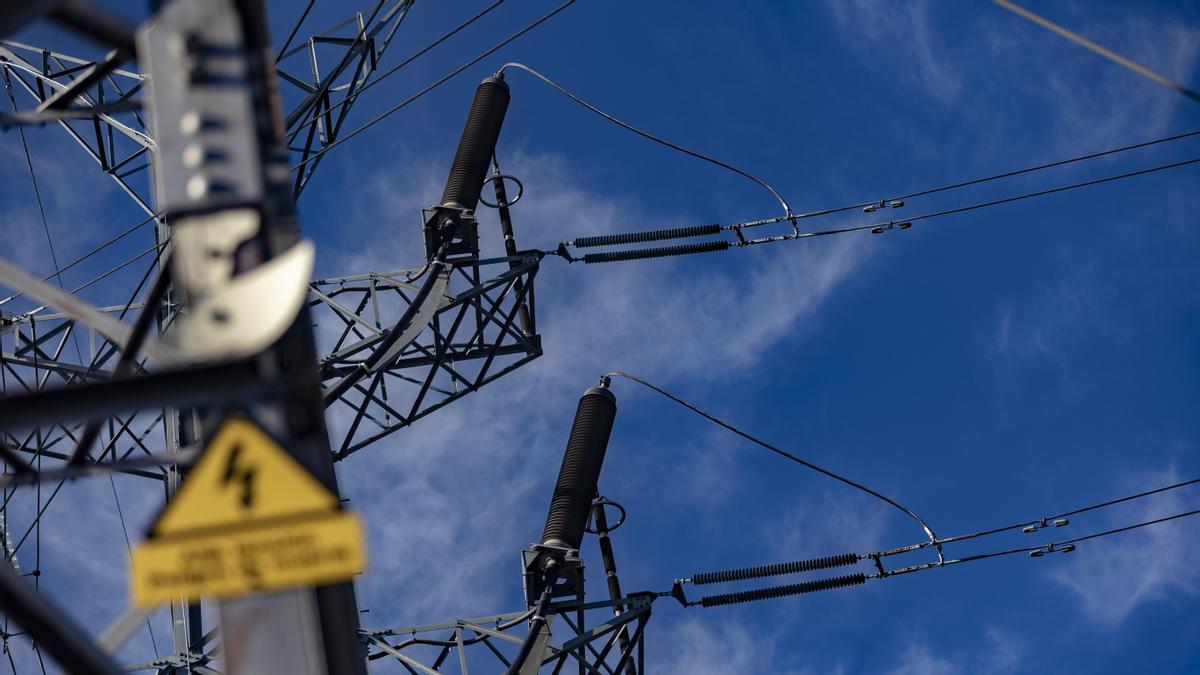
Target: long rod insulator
<point x="783" y="591"/>
<point x="665" y="251"/>
<point x="477" y="145"/>
<point x="775" y="570"/>
<point x="652" y="235"/>
<point x="580" y="471"/>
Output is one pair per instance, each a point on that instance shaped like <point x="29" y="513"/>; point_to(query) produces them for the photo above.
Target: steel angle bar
<point x="427" y="304"/>
<point x="68" y="114"/>
<point x="492" y="619"/>
<point x="183" y="459"/>
<point x="605" y="628"/>
<point x="108" y="309"/>
<point x="75" y="88"/>
<point x="402" y="657"/>
<point x="15" y="61"/>
<point x="202" y="385"/>
<point x="348" y="314"/>
<point x="414" y="320"/>
<point x="123" y="628"/>
<point x="70" y="371"/>
<point x="82" y="312"/>
<point x="434" y="407"/>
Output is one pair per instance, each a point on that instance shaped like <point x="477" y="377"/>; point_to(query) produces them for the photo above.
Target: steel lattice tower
<point x="390" y="354"/>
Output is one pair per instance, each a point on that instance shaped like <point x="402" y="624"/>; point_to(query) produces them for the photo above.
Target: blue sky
<point x="982" y="369"/>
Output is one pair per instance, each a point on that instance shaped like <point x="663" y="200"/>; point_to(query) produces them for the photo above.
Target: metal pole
<point x="610" y="572"/>
<point x="221" y="170"/>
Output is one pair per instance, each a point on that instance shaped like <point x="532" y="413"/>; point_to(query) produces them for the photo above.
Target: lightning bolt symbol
<point x="243" y="475"/>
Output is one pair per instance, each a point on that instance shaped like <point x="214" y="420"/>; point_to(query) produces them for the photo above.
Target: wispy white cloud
<point x="1004" y="652"/>
<point x="919" y="659"/>
<point x="1041" y="324"/>
<point x="998" y="652"/>
<point x="902" y="31"/>
<point x="695" y="647"/>
<point x="1113" y="577"/>
<point x="833" y="522"/>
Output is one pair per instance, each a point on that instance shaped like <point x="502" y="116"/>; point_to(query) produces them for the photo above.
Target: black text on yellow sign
<point x="248" y="518"/>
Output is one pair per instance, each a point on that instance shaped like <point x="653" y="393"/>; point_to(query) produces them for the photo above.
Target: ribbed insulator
<point x="477" y="145"/>
<point x="774" y="570"/>
<point x="783" y="591"/>
<point x="643" y="253"/>
<point x="580" y="471"/>
<point x="652" y="235"/>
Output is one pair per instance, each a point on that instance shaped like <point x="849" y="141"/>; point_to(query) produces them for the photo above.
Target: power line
<point x="1039" y="550"/>
<point x="1098" y="49"/>
<point x="37" y="193"/>
<point x="649" y="136"/>
<point x="296" y="27"/>
<point x="994" y="177"/>
<point x="396" y="68"/>
<point x="981" y="205"/>
<point x="877" y="227"/>
<point x="89" y="254"/>
<point x="1038" y="523"/>
<point x="390" y="111"/>
<point x="1067" y="514"/>
<point x="933" y="540"/>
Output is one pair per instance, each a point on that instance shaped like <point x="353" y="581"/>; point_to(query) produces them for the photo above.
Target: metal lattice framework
<point x="479" y="326"/>
<point x="488" y="644"/>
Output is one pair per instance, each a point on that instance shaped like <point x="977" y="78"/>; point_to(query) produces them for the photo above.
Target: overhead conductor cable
<point x="1036" y="551"/>
<point x="649" y="136"/>
<point x="782" y="453"/>
<point x="875" y="227"/>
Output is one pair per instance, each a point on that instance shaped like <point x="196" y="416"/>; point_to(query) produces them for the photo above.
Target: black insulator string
<point x="781" y="591"/>
<point x="445" y="78"/>
<point x="743" y="573"/>
<point x="652" y="235"/>
<point x="660" y="252"/>
<point x="661" y="141"/>
<point x="859" y="578"/>
<point x="827" y="562"/>
<point x="933" y="540"/>
<point x="877" y="227"/>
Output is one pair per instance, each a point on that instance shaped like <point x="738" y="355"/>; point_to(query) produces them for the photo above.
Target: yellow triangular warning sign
<point x="247" y="519"/>
<point x="243" y="477"/>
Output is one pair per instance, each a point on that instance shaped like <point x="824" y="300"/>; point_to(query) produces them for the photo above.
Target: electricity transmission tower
<point x="151" y="360"/>
<point x="397" y="344"/>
